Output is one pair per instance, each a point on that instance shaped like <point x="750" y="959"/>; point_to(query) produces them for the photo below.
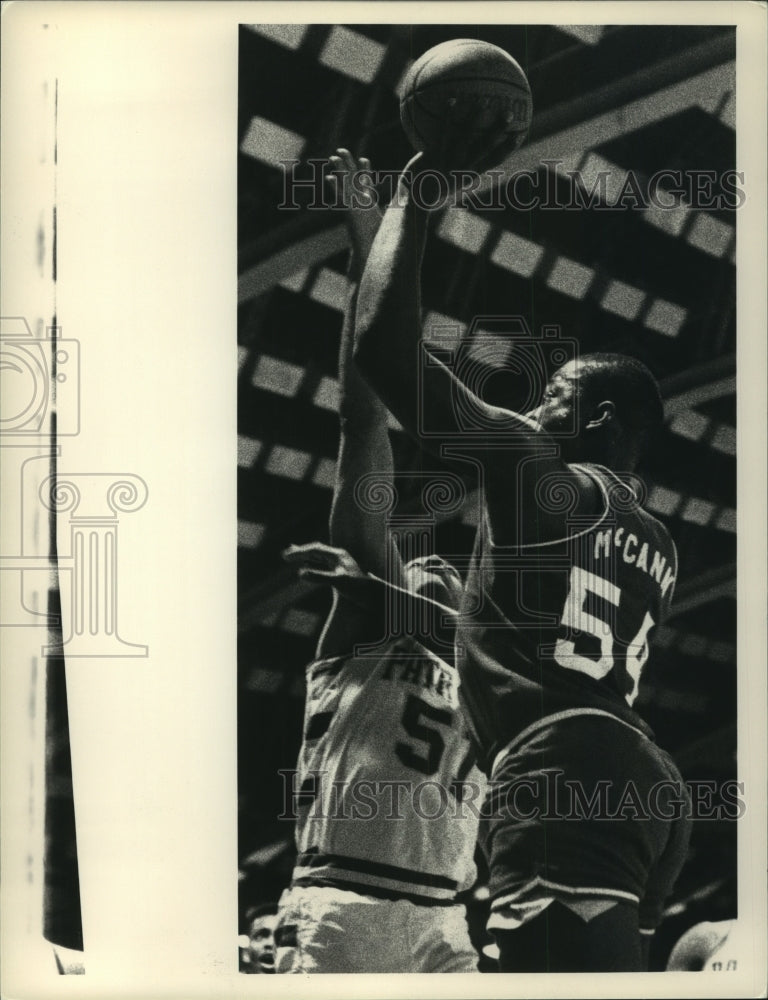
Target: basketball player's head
<point x="602" y="408"/>
<point x="433" y="577"/>
<point x="262" y="920"/>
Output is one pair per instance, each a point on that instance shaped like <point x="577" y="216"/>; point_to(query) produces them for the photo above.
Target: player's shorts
<point x="326" y="929"/>
<point x="584" y="806"/>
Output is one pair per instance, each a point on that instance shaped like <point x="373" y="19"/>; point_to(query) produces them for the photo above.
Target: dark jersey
<point x="563" y="624"/>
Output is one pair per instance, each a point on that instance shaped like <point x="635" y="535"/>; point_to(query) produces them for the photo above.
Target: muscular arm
<point x="389" y="351"/>
<point x="433" y="623"/>
<point x="388" y="354"/>
<point x="364" y="449"/>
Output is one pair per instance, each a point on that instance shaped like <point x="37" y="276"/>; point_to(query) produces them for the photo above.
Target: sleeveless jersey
<point x="562" y="626"/>
<point x="386" y="777"/>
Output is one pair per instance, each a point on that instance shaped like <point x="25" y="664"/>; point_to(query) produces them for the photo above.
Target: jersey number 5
<point x="415" y="712"/>
<point x="576" y="617"/>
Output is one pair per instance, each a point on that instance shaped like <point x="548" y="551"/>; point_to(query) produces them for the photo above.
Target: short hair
<point x="257" y="910"/>
<point x="630" y="386"/>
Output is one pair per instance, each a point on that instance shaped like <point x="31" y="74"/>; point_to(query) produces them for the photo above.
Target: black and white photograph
<point x="383" y="546"/>
<point x="508" y="397"/>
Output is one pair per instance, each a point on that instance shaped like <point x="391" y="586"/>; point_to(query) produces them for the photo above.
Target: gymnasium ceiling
<point x="656" y="284"/>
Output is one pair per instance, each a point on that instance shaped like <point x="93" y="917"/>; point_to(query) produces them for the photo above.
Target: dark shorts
<point x="586" y="806"/>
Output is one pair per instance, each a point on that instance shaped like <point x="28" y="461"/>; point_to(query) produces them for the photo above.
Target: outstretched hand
<point x="351" y="184"/>
<point x="320" y="562"/>
<point x="471" y="143"/>
<point x="475" y="137"/>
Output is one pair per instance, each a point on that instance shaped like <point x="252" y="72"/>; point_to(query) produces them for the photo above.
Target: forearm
<point x="390" y="356"/>
<point x="389" y="309"/>
<point x="434" y="623"/>
<point x="364" y="450"/>
<point x="389" y="352"/>
<point x="360" y="410"/>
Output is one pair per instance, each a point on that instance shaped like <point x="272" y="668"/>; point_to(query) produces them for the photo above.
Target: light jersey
<point x="387" y="777"/>
<point x="563" y="625"/>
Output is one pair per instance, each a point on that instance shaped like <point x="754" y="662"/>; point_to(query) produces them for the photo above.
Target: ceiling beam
<point x="698" y="385"/>
<point x="667" y="80"/>
<point x="702" y="589"/>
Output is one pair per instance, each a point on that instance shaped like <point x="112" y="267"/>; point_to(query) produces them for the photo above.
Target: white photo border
<point x="144" y="185"/>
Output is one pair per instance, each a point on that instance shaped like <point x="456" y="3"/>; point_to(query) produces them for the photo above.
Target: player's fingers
<point x="308" y="551"/>
<point x="316" y="573"/>
<point x="311" y="562"/>
<point x="307" y="573"/>
<point x="418" y="161"/>
<point x="366" y="175"/>
<point x="295" y="552"/>
<point x="346" y="158"/>
<point x="292" y="554"/>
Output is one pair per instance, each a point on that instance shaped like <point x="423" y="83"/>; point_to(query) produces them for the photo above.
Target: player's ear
<point x="602" y="415"/>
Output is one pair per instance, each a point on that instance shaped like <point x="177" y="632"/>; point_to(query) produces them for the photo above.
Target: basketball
<point x="470" y="89"/>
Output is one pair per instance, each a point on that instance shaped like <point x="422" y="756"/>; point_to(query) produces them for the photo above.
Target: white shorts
<point x="324" y="929"/>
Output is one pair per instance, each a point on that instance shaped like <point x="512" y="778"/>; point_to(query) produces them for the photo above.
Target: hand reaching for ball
<point x="351" y="183"/>
<point x="451" y="163"/>
<point x="474" y="138"/>
<point x="466" y="104"/>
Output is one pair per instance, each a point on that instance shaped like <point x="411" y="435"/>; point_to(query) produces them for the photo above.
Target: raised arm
<point x="388" y="354"/>
<point x="389" y="331"/>
<point x="364" y="446"/>
<point x="364" y="591"/>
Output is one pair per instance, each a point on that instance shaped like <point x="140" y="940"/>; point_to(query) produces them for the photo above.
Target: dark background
<point x="659" y="286"/>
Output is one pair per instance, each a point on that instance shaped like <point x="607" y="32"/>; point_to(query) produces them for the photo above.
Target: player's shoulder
<point x="658" y="530"/>
<point x="589" y="480"/>
<point x="661" y="533"/>
<point x="548" y="502"/>
<point x="619" y="489"/>
<point x="627" y="494"/>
